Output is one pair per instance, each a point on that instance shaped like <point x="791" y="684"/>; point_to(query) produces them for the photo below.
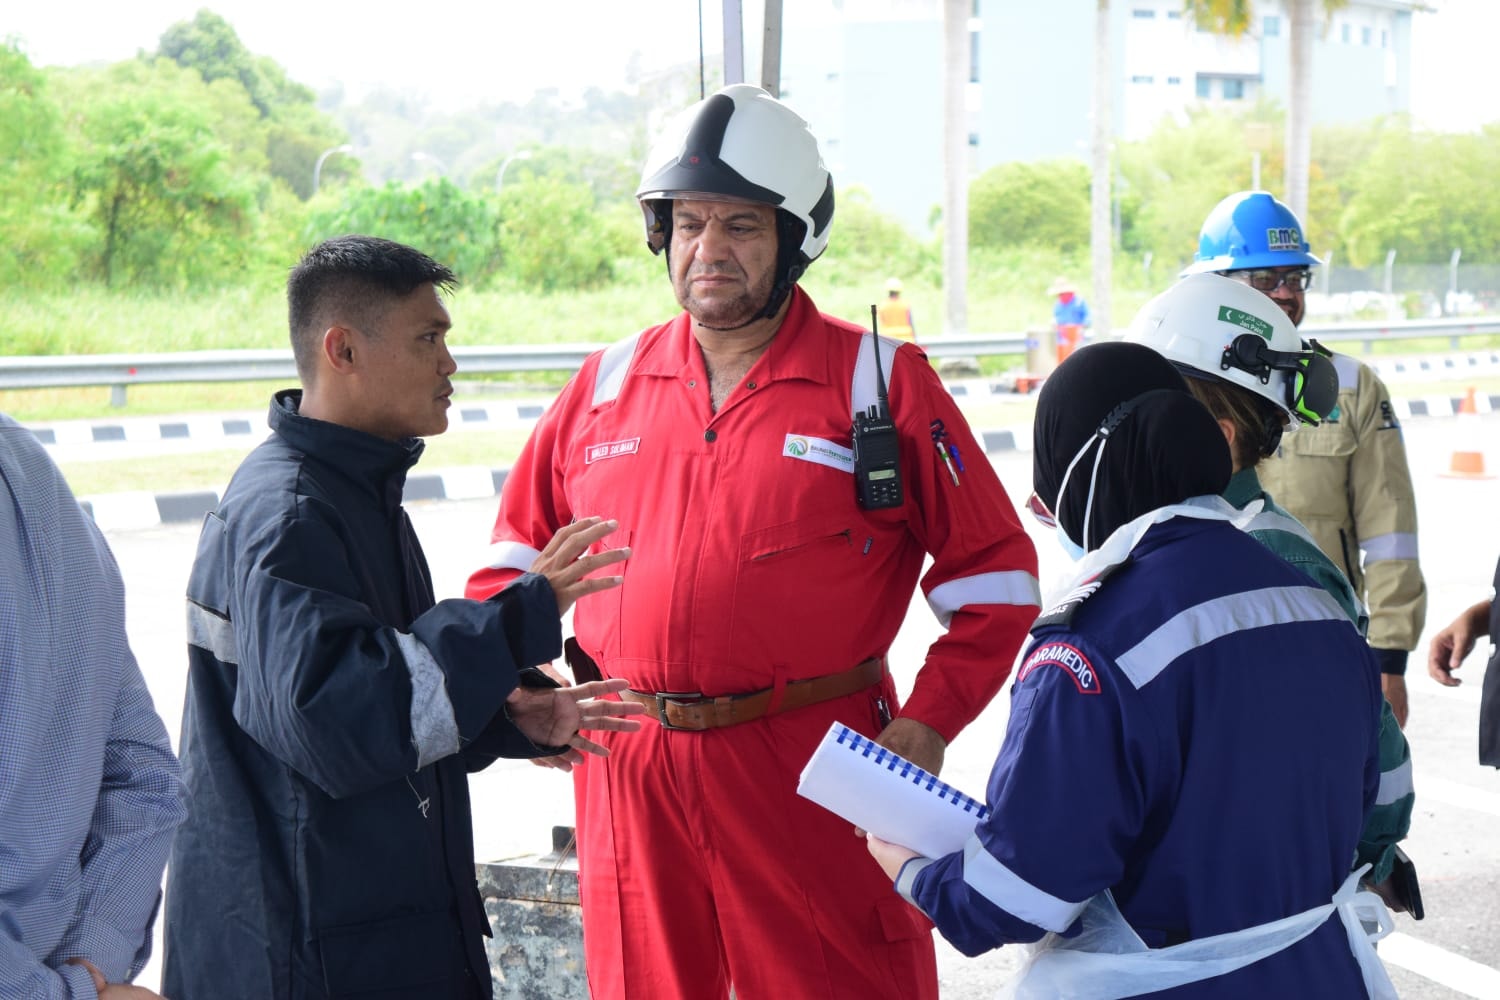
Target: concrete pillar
<point x="532" y="903"/>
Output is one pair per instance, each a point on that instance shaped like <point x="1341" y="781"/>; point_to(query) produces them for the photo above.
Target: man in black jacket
<point x="333" y="709"/>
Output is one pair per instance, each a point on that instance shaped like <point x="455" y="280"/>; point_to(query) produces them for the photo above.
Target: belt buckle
<point x="679" y="698"/>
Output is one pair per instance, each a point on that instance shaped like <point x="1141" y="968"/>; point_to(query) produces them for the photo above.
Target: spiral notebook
<point x="886" y="794"/>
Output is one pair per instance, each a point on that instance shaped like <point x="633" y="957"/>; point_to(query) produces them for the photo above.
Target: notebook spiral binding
<point x="894" y="762"/>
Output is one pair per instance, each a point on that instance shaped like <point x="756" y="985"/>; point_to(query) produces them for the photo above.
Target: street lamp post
<point x="318" y="167"/>
<point x="520" y="154"/>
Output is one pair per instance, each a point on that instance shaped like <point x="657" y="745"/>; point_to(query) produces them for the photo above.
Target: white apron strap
<point x="1107" y="960"/>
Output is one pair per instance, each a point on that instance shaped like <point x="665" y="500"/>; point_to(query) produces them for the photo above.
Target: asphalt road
<point x="1454" y="952"/>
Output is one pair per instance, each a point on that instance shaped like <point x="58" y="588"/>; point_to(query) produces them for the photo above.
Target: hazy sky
<point x="457" y="50"/>
<point x="467" y="50"/>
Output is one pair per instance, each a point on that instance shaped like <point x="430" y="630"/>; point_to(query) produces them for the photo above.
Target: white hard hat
<point x="1211" y="326"/>
<point x="893" y="285"/>
<point x="744" y="144"/>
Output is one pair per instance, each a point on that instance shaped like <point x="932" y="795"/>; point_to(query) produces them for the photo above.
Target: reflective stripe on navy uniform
<point x="1196" y="733"/>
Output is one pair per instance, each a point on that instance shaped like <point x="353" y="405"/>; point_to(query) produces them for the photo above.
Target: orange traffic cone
<point x="1468" y="464"/>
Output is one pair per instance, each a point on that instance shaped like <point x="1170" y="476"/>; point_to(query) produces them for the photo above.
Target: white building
<point x="868" y="75"/>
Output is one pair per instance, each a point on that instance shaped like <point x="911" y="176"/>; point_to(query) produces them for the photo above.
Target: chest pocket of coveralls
<point x="1311" y="480"/>
<point x="788" y="575"/>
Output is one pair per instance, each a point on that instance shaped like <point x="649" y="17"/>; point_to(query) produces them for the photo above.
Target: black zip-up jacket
<point x="332" y="713"/>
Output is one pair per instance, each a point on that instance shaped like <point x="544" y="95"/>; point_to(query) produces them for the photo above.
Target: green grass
<point x="92" y="320"/>
<point x="210" y="470"/>
<point x="1007" y="293"/>
<point x="199" y="470"/>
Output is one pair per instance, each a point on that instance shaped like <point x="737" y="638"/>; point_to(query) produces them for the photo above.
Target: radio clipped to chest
<point x="877" y="448"/>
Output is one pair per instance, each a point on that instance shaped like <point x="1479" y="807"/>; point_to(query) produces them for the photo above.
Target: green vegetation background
<point x="155" y="204"/>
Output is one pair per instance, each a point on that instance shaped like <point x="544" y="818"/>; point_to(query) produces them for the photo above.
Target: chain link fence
<point x="1406" y="291"/>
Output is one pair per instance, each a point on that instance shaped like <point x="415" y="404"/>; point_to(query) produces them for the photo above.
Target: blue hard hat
<point x="1251" y="230"/>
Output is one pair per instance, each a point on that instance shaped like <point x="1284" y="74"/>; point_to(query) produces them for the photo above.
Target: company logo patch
<point x="1240" y="318"/>
<point x="818" y="451"/>
<point x="1283" y="238"/>
<point x="610" y="449"/>
<point x="1066" y="657"/>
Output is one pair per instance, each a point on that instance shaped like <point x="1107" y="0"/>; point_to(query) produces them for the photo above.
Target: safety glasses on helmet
<point x="1269" y="279"/>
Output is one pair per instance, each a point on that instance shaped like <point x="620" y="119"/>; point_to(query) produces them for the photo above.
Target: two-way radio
<point x="877" y="458"/>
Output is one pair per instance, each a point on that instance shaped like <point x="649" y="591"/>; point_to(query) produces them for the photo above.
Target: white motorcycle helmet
<point x="1211" y="326"/>
<point x="742" y="143"/>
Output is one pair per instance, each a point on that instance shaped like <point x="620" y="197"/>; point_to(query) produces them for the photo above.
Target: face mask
<point x="1073" y="549"/>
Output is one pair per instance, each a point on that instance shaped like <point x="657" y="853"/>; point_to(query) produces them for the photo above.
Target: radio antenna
<point x="880" y="392"/>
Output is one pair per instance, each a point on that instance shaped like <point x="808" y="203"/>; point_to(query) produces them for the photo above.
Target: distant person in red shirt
<point x="1070" y="316"/>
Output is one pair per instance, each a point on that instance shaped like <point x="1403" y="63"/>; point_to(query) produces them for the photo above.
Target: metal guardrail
<point x="120" y="371"/>
<point x="1369" y="334"/>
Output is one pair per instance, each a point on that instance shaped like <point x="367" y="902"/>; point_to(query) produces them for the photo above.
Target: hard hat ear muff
<point x="1313" y="388"/>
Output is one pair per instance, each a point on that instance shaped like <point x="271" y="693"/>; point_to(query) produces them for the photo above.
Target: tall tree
<point x="1234" y="18"/>
<point x="298" y="132"/>
<point x="40" y="234"/>
<point x="1101" y="239"/>
<point x="171" y="204"/>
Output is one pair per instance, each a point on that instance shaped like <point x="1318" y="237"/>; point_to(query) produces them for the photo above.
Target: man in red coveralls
<point x="760" y="597"/>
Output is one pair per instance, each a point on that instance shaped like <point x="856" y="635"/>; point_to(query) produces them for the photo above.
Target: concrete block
<point x="534" y="911"/>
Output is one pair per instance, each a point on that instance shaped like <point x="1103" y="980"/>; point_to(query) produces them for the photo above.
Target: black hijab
<point x="1160" y="445"/>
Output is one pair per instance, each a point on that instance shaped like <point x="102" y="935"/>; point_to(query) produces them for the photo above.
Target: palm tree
<point x="1234" y="17"/>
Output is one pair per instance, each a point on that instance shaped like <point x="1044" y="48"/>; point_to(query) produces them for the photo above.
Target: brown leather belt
<point x="678" y="710"/>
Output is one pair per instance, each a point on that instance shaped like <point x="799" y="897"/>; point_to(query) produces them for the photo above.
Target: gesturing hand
<point x="566" y="567"/>
<point x="1451" y="645"/>
<point x="556" y="716"/>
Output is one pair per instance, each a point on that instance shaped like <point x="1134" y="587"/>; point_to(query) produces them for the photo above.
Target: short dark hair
<point x="351" y="279"/>
<point x="1258" y="422"/>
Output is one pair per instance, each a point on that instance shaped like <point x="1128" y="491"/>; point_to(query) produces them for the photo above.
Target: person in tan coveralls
<point x="1347" y="479"/>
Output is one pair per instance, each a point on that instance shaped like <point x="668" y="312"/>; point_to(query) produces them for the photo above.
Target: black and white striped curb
<point x="143" y="509"/>
<point x="488" y="416"/>
<point x="244" y="426"/>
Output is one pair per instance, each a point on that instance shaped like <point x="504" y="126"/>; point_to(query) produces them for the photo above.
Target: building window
<point x="1234" y="90"/>
<point x="1174" y="15"/>
<point x="974" y="138"/>
<point x="1142" y="79"/>
<point x="1270" y="26"/>
<point x="1383" y="41"/>
<point x="1173" y="81"/>
<point x="1365" y="36"/>
<point x="973" y="57"/>
<point x="1346" y="34"/>
<point x="1142" y="13"/>
<point x="1204" y="88"/>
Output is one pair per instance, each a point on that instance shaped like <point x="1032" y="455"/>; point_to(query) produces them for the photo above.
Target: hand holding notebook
<point x="882" y="792"/>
